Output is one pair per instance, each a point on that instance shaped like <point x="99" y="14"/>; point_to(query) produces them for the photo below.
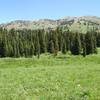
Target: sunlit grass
<point x="64" y="77"/>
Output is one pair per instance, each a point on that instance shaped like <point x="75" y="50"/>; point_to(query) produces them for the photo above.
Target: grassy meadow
<point x="64" y="77"/>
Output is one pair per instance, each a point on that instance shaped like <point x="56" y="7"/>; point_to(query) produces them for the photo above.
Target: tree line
<point x="26" y="43"/>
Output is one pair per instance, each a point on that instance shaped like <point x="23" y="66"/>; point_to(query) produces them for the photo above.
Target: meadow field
<point x="65" y="77"/>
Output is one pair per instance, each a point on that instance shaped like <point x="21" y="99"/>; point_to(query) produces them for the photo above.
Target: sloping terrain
<point x="79" y="24"/>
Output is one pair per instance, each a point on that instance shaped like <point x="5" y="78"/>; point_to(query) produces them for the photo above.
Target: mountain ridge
<point x="72" y="23"/>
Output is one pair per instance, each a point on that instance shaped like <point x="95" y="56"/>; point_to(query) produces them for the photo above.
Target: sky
<point x="50" y="9"/>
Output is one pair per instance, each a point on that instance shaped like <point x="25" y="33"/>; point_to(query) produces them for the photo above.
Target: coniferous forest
<point x="50" y="50"/>
<point x="26" y="43"/>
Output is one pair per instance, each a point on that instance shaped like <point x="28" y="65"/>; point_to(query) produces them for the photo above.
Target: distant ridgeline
<point x="26" y="43"/>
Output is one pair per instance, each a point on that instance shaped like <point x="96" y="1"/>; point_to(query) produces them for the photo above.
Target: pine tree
<point x="63" y="43"/>
<point x="76" y="44"/>
<point x="41" y="34"/>
<point x="37" y="45"/>
<point x="98" y="39"/>
<point x="55" y="42"/>
<point x="67" y="35"/>
<point x="59" y="33"/>
<point x="51" y="46"/>
<point x="1" y="43"/>
<point x="50" y="43"/>
<point x="95" y="44"/>
<point x="32" y="44"/>
<point x="84" y="46"/>
<point x="89" y="43"/>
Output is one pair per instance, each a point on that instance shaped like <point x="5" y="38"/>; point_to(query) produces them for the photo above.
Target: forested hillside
<point x="26" y="43"/>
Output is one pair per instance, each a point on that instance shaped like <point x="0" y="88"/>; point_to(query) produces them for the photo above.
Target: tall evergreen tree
<point x="41" y="34"/>
<point x="63" y="43"/>
<point x="55" y="42"/>
<point x="37" y="45"/>
<point x="84" y="46"/>
<point x="76" y="44"/>
<point x="50" y="43"/>
<point x="89" y="43"/>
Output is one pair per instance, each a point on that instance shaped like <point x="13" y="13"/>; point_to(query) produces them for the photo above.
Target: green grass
<point x="61" y="78"/>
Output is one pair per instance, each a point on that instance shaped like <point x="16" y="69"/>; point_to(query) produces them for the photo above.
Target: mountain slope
<point x="80" y="24"/>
